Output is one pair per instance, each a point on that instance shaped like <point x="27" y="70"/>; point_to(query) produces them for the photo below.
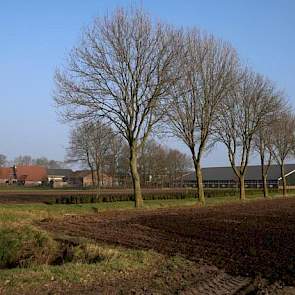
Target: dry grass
<point x="24" y="246"/>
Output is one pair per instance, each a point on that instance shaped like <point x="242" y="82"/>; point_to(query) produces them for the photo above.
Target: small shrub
<point x="22" y="246"/>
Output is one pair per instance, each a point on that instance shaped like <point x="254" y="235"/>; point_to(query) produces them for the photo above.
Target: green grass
<point x="26" y="213"/>
<point x="157" y="271"/>
<point x="25" y="245"/>
<point x="30" y="212"/>
<point x="118" y="261"/>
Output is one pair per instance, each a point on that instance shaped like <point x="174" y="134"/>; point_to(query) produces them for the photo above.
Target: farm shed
<point x="224" y="177"/>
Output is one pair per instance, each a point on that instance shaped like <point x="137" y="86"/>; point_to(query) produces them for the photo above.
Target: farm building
<point x="224" y="177"/>
<point x="59" y="177"/>
<point x="59" y="174"/>
<point x="24" y="175"/>
<point x="83" y="178"/>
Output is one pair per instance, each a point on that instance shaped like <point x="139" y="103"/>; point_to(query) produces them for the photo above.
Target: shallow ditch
<point x="67" y="251"/>
<point x="73" y="251"/>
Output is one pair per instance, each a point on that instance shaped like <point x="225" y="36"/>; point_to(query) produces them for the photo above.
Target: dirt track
<point x="250" y="239"/>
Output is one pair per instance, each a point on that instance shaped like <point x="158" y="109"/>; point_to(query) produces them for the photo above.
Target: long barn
<point x="224" y="177"/>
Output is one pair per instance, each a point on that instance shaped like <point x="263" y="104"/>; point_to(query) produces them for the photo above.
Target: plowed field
<point x="249" y="239"/>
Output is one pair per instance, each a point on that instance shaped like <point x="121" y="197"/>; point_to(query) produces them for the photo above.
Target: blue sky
<point x="35" y="37"/>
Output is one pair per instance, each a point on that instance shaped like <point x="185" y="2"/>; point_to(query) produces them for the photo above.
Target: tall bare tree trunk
<point x="199" y="179"/>
<point x="263" y="177"/>
<point x="97" y="182"/>
<point x="135" y="177"/>
<point x="242" y="187"/>
<point x="284" y="180"/>
<point x="92" y="177"/>
<point x="91" y="169"/>
<point x="265" y="188"/>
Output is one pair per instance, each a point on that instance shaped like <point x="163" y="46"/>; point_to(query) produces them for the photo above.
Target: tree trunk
<point x="263" y="177"/>
<point x="242" y="187"/>
<point x="97" y="182"/>
<point x="91" y="169"/>
<point x="135" y="178"/>
<point x="265" y="188"/>
<point x="284" y="180"/>
<point x="199" y="181"/>
<point x="92" y="177"/>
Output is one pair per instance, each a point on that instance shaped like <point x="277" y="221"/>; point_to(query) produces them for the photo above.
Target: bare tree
<point x="207" y="69"/>
<point x="160" y="165"/>
<point x="177" y="164"/>
<point x="263" y="140"/>
<point x="25" y="160"/>
<point x="112" y="160"/>
<point x="51" y="164"/>
<point x="79" y="148"/>
<point x="244" y="111"/>
<point x="263" y="146"/>
<point x="152" y="166"/>
<point x="3" y="160"/>
<point x="121" y="71"/>
<point x="283" y="142"/>
<point x="91" y="143"/>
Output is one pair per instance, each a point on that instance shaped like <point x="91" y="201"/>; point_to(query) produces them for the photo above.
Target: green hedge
<point x="158" y="195"/>
<point x="165" y="195"/>
<point x="77" y="197"/>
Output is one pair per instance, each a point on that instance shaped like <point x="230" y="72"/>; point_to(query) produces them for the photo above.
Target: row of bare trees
<point x="95" y="146"/>
<point x="134" y="75"/>
<point x="275" y="142"/>
<point x="249" y="107"/>
<point x="26" y="160"/>
<point x="158" y="165"/>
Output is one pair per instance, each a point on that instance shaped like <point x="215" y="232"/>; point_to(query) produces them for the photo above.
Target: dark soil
<point x="248" y="239"/>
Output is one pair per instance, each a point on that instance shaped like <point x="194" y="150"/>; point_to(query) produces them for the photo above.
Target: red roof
<point x="5" y="172"/>
<point x="31" y="173"/>
<point x="27" y="173"/>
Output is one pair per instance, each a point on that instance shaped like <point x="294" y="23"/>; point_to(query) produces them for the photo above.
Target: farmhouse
<point x="25" y="175"/>
<point x="224" y="177"/>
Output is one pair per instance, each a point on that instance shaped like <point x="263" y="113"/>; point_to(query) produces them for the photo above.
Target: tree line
<point x="26" y="160"/>
<point x="138" y="77"/>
